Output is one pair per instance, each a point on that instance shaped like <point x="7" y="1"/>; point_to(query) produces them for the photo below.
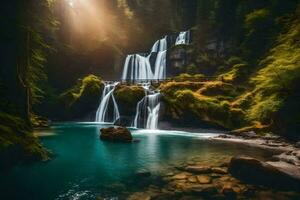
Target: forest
<point x="231" y="66"/>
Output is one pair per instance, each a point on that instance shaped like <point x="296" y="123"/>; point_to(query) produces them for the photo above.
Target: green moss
<point x="237" y="74"/>
<point x="205" y="108"/>
<point x="83" y="98"/>
<point x="90" y="84"/>
<point x="277" y="80"/>
<point x="17" y="144"/>
<point x="128" y="97"/>
<point x="218" y="88"/>
<point x="171" y="87"/>
<point x="189" y="77"/>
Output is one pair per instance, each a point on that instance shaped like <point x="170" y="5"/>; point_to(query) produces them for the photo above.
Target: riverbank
<point x="240" y="177"/>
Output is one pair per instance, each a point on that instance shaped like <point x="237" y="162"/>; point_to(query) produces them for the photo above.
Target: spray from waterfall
<point x="107" y="97"/>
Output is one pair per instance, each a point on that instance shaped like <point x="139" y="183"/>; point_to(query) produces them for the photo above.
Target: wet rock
<point x="116" y="134"/>
<point x="297" y="144"/>
<point x="204" y="179"/>
<point x="225" y="178"/>
<point x="219" y="170"/>
<point x="198" y="169"/>
<point x="192" y="179"/>
<point x="180" y="176"/>
<point x="255" y="171"/>
<point x="207" y="189"/>
<point x="139" y="196"/>
<point x="229" y="191"/>
<point x="143" y="173"/>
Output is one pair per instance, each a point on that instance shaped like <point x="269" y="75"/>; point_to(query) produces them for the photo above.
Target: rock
<point x="219" y="170"/>
<point x="204" y="179"/>
<point x="198" y="169"/>
<point x="192" y="179"/>
<point x="116" y="134"/>
<point x="225" y="178"/>
<point x="255" y="171"/>
<point x="139" y="196"/>
<point x="207" y="189"/>
<point x="229" y="191"/>
<point x="297" y="144"/>
<point x="180" y="176"/>
<point x="143" y="173"/>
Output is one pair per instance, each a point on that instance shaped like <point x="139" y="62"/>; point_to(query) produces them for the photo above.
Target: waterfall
<point x="183" y="38"/>
<point x="160" y="65"/>
<point x="153" y="111"/>
<point x="107" y="95"/>
<point x="138" y="68"/>
<point x="147" y="111"/>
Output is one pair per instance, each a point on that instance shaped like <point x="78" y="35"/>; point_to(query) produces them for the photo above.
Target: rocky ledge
<point x="241" y="178"/>
<point x="116" y="134"/>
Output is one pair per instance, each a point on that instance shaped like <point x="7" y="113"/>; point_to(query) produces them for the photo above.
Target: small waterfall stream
<point x="147" y="111"/>
<point x="107" y="95"/>
<point x="183" y="38"/>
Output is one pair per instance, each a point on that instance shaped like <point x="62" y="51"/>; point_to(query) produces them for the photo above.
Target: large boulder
<point x="128" y="97"/>
<point x="255" y="171"/>
<point x="116" y="134"/>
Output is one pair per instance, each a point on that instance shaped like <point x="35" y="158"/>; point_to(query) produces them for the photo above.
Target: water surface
<point x="83" y="167"/>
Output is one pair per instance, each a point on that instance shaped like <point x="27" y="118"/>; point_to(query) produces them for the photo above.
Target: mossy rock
<point x="238" y="74"/>
<point x="127" y="98"/>
<point x="218" y="88"/>
<point x="204" y="108"/>
<point x="83" y="98"/>
<point x="171" y="87"/>
<point x="189" y="77"/>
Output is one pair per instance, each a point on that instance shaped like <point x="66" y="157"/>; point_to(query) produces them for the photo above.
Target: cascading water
<point x="183" y="38"/>
<point x="107" y="95"/>
<point x="137" y="67"/>
<point x="147" y="111"/>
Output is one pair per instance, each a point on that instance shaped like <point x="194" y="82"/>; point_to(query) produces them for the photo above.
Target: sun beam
<point x="71" y="3"/>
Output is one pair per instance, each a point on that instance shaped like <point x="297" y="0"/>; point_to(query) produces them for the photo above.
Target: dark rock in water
<point x="116" y="134"/>
<point x="258" y="172"/>
<point x="143" y="173"/>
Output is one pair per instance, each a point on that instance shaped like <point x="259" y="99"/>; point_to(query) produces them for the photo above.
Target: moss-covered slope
<point x="17" y="144"/>
<point x="262" y="97"/>
<point x="82" y="99"/>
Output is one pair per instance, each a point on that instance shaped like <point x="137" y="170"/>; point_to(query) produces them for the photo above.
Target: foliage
<point x="37" y="26"/>
<point x="207" y="109"/>
<point x="218" y="88"/>
<point x="83" y="98"/>
<point x="238" y="73"/>
<point x="275" y="82"/>
<point x="189" y="77"/>
<point x="17" y="144"/>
